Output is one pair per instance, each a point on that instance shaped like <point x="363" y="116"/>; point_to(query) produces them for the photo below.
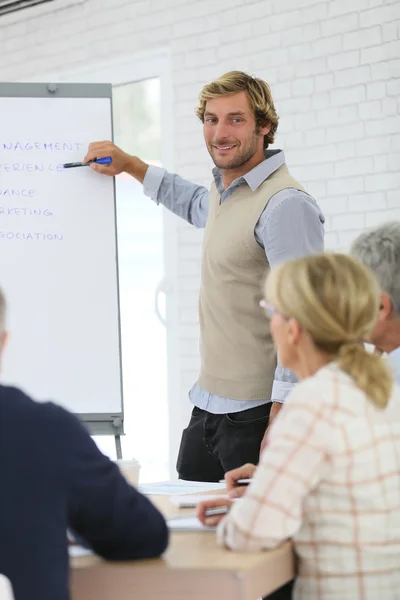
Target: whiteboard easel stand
<point x="101" y="423"/>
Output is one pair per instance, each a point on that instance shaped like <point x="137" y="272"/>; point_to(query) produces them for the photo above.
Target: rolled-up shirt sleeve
<point x="284" y="381"/>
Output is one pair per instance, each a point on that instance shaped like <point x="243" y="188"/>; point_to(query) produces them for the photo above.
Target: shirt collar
<point x="394" y="359"/>
<point x="254" y="178"/>
<point x="395" y="355"/>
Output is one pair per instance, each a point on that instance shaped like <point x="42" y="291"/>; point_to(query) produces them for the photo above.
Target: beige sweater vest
<point x="238" y="358"/>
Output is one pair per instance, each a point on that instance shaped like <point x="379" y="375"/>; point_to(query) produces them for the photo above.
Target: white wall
<point x="334" y="69"/>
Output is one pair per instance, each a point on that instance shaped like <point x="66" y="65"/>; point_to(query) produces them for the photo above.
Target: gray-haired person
<point x="379" y="249"/>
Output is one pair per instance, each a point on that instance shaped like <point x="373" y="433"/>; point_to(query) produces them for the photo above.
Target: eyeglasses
<point x="269" y="309"/>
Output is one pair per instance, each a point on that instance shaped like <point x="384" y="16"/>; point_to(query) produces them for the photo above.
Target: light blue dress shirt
<point x="291" y="226"/>
<point x="394" y="361"/>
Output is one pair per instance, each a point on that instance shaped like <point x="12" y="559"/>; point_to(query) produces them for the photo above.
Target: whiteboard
<point x="58" y="254"/>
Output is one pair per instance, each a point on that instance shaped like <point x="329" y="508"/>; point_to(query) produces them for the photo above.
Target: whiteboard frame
<point x="97" y="423"/>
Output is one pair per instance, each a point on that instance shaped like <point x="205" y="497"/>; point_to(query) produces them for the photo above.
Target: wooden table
<point x="193" y="567"/>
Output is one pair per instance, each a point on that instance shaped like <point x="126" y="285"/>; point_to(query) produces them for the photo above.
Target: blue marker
<point x="107" y="160"/>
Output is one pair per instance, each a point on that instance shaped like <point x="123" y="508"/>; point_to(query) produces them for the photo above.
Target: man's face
<point x="378" y="334"/>
<point x="230" y="131"/>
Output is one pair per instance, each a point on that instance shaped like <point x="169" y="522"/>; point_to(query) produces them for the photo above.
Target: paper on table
<point x="191" y="501"/>
<point x="187" y="524"/>
<point x="174" y="488"/>
<point x="78" y="551"/>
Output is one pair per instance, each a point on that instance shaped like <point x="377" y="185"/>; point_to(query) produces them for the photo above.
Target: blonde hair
<point x="258" y="92"/>
<point x="335" y="298"/>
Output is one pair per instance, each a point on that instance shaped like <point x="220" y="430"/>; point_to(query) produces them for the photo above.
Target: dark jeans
<point x="213" y="444"/>
<point x="284" y="593"/>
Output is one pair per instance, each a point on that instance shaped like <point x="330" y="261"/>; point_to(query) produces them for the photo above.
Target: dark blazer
<point x="54" y="478"/>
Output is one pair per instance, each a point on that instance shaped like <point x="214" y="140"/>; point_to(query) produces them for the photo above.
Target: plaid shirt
<point x="329" y="479"/>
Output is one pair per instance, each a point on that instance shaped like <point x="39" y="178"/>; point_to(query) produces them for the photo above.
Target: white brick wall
<point x="334" y="69"/>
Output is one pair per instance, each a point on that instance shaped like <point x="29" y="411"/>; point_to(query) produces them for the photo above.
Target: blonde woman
<point x="330" y="475"/>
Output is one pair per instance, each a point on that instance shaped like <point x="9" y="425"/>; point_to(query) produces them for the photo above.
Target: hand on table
<point x="216" y="503"/>
<point x="231" y="477"/>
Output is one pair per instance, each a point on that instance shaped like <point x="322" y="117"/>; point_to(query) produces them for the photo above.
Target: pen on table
<point x="107" y="160"/>
<point x="218" y="510"/>
<point x="238" y="482"/>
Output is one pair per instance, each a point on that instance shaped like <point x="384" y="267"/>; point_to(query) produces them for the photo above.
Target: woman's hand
<point x="216" y="503"/>
<point x="231" y="478"/>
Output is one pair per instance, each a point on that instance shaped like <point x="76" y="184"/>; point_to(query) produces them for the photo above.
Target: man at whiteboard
<point x="255" y="216"/>
<point x="54" y="478"/>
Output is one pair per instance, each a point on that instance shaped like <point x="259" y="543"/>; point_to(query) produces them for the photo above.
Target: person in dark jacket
<point x="54" y="479"/>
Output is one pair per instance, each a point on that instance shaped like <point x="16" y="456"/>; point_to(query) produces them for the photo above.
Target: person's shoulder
<point x="325" y="387"/>
<point x="296" y="197"/>
<point x="293" y="201"/>
<point x="15" y="402"/>
<point x="17" y="405"/>
<point x="393" y="406"/>
<point x="13" y="396"/>
<point x="323" y="377"/>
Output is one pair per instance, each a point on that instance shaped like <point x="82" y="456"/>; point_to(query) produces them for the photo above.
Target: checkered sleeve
<point x="291" y="466"/>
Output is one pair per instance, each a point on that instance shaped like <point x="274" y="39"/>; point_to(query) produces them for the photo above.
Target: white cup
<point x="130" y="469"/>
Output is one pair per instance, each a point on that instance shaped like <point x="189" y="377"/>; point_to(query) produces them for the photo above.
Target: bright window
<point x="137" y="129"/>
